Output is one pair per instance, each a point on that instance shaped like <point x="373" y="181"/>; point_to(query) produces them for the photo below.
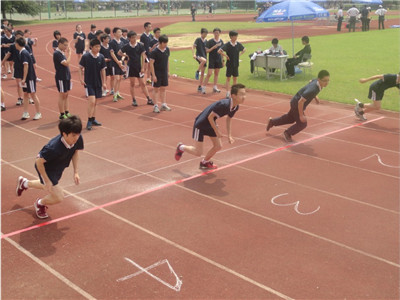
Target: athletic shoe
<point x="287" y="136"/>
<point x="165" y="107"/>
<point x="96" y="123"/>
<point x="68" y="115"/>
<point x="119" y="96"/>
<point x="38" y="79"/>
<point x="270" y="125"/>
<point x="31" y="101"/>
<point x="12" y="77"/>
<point x="19" y="102"/>
<point x="40" y="210"/>
<point x="156" y="109"/>
<point x="208" y="165"/>
<point x="203" y="90"/>
<point x="112" y="92"/>
<point x="134" y="103"/>
<point x="216" y="90"/>
<point x="3" y="107"/>
<point x="115" y="98"/>
<point x="148" y="81"/>
<point x="9" y="71"/>
<point x="199" y="89"/>
<point x="62" y="117"/>
<point x="104" y="93"/>
<point x="197" y="75"/>
<point x="20" y="185"/>
<point x="25" y="116"/>
<point x="150" y="101"/>
<point x="89" y="125"/>
<point x="37" y="116"/>
<point x="4" y="76"/>
<point x="178" y="152"/>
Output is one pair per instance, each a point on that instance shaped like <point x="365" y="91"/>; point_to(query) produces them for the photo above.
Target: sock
<point x="133" y="99"/>
<point x="91" y="119"/>
<point x="182" y="147"/>
<point x="66" y="112"/>
<point x="215" y="87"/>
<point x="204" y="161"/>
<point x="25" y="183"/>
<point x="361" y="105"/>
<point x="40" y="202"/>
<point x="61" y="114"/>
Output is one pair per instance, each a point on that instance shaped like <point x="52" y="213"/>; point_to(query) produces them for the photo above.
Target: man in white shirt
<point x="381" y="19"/>
<point x="353" y="13"/>
<point x="339" y="18"/>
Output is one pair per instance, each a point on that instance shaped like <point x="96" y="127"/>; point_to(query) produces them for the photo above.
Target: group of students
<point x="364" y="14"/>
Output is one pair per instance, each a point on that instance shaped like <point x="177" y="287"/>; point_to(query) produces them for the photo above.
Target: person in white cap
<point x="381" y="19"/>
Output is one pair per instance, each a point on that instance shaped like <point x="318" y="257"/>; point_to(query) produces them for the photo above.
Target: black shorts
<point x="63" y="86"/>
<point x="197" y="58"/>
<point x="108" y="69"/>
<point x="375" y="95"/>
<point x="18" y="73"/>
<point x="79" y="50"/>
<point x="53" y="176"/>
<point x="232" y="71"/>
<point x="30" y="87"/>
<point x="116" y="70"/>
<point x="33" y="59"/>
<point x="162" y="80"/>
<point x="135" y="72"/>
<point x="215" y="64"/>
<point x="198" y="134"/>
<point x="94" y="91"/>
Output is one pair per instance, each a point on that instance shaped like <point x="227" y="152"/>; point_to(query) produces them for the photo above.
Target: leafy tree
<point x="26" y="7"/>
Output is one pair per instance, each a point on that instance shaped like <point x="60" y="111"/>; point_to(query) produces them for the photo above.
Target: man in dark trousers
<point x="298" y="57"/>
<point x="364" y="18"/>
<point x="298" y="105"/>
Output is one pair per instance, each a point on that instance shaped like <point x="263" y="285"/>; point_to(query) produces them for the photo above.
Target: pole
<point x="91" y="9"/>
<point x="169" y="6"/>
<point x="65" y="10"/>
<point x="292" y="39"/>
<point x="48" y="9"/>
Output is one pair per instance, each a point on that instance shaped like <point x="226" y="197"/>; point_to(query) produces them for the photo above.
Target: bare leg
<point x="132" y="86"/>
<point x="196" y="150"/>
<point x="217" y="145"/>
<point x="91" y="106"/>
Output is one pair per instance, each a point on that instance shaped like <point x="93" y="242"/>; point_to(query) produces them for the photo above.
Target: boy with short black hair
<point x="215" y="62"/>
<point x="376" y="92"/>
<point x="201" y="57"/>
<point x="92" y="33"/>
<point x="7" y="39"/>
<point x="298" y="105"/>
<point x="206" y="125"/>
<point x="51" y="163"/>
<point x="105" y="50"/>
<point x="63" y="76"/>
<point x="145" y="39"/>
<point x="116" y="64"/>
<point x="80" y="41"/>
<point x="154" y="41"/>
<point x="159" y="66"/>
<point x="137" y="55"/>
<point x="57" y="36"/>
<point x="232" y="50"/>
<point x="93" y="65"/>
<point x="124" y="36"/>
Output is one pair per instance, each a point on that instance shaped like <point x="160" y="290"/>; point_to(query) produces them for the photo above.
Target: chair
<point x="260" y="62"/>
<point x="306" y="64"/>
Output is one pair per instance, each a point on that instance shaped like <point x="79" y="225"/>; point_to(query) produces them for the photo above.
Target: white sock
<point x="25" y="183"/>
<point x="40" y="202"/>
<point x="215" y="87"/>
<point x="182" y="147"/>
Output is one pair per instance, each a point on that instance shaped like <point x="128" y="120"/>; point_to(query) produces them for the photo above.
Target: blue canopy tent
<point x="292" y="10"/>
<point x="368" y="1"/>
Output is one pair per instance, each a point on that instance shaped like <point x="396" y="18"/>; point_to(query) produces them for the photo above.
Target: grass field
<point x="347" y="57"/>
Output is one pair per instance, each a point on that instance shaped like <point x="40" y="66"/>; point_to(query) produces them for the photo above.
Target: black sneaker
<point x="134" y="103"/>
<point x="89" y="125"/>
<point x="96" y="123"/>
<point x="288" y="137"/>
<point x="150" y="101"/>
<point x="270" y="125"/>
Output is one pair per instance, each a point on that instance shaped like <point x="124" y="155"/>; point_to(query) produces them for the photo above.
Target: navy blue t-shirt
<point x="62" y="72"/>
<point x="6" y="40"/>
<point x="153" y="42"/>
<point x="308" y="92"/>
<point x="91" y="35"/>
<point x="115" y="46"/>
<point x="388" y="81"/>
<point x="233" y="53"/>
<point x="160" y="60"/>
<point x="200" y="47"/>
<point x="93" y="66"/>
<point x="106" y="53"/>
<point x="57" y="155"/>
<point x="214" y="55"/>
<point x="145" y="40"/>
<point x="124" y="40"/>
<point x="26" y="58"/>
<point x="134" y="54"/>
<point x="80" y="44"/>
<point x="55" y="44"/>
<point x="220" y="108"/>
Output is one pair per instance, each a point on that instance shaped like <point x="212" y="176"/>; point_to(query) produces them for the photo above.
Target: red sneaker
<point x="41" y="210"/>
<point x="20" y="185"/>
<point x="207" y="165"/>
<point x="178" y="152"/>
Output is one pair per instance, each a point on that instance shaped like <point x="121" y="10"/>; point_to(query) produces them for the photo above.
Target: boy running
<point x="51" y="162"/>
<point x="93" y="65"/>
<point x="298" y="105"/>
<point x="63" y="76"/>
<point x="206" y="125"/>
<point x="232" y="50"/>
<point x="376" y="92"/>
<point x="215" y="62"/>
<point x="159" y="66"/>
<point x="137" y="56"/>
<point x="116" y="63"/>
<point x="201" y="57"/>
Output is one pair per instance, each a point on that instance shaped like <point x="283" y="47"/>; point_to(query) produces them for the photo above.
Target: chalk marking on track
<point x="296" y="205"/>
<point x="380" y="161"/>
<point x="176" y="287"/>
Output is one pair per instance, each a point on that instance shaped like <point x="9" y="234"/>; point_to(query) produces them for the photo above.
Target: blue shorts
<point x="30" y="87"/>
<point x="116" y="70"/>
<point x="198" y="134"/>
<point x="162" y="80"/>
<point x="53" y="176"/>
<point x="64" y="86"/>
<point x="94" y="91"/>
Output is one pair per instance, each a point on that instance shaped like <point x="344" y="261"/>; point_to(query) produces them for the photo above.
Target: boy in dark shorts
<point x="298" y="105"/>
<point x="79" y="40"/>
<point x="232" y="50"/>
<point x="159" y="66"/>
<point x="92" y="33"/>
<point x="137" y="55"/>
<point x="7" y="39"/>
<point x="145" y="39"/>
<point x="57" y="36"/>
<point x="215" y="62"/>
<point x="93" y="65"/>
<point x="105" y="50"/>
<point x="63" y="76"/>
<point x="206" y="125"/>
<point x="201" y="57"/>
<point x="51" y="162"/>
<point x="376" y="92"/>
<point x="28" y="81"/>
<point x="116" y="64"/>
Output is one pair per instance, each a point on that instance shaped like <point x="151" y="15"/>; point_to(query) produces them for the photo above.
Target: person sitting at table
<point x="275" y="49"/>
<point x="298" y="57"/>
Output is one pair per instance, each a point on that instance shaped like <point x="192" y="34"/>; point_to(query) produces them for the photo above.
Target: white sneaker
<point x="156" y="109"/>
<point x="104" y="93"/>
<point x="31" y="101"/>
<point x="203" y="90"/>
<point x="9" y="71"/>
<point x="37" y="116"/>
<point x="165" y="107"/>
<point x="25" y="116"/>
<point x="216" y="90"/>
<point x="13" y="78"/>
<point x="38" y="79"/>
<point x="4" y="76"/>
<point x="19" y="102"/>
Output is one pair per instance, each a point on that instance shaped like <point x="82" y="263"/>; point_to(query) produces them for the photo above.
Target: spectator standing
<point x="353" y="13"/>
<point x="340" y="18"/>
<point x="381" y="12"/>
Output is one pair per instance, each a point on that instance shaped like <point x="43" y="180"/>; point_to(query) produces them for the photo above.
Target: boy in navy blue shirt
<point x="376" y="92"/>
<point x="57" y="36"/>
<point x="92" y="33"/>
<point x="232" y="50"/>
<point x="63" y="75"/>
<point x="116" y="63"/>
<point x="79" y="40"/>
<point x="51" y="162"/>
<point x="215" y="62"/>
<point x="137" y="56"/>
<point x="94" y="67"/>
<point x="7" y="39"/>
<point x="145" y="39"/>
<point x="105" y="50"/>
<point x="206" y="125"/>
<point x="201" y="57"/>
<point x="298" y="105"/>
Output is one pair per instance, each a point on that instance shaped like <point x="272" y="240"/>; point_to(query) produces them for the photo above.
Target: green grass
<point x="347" y="57"/>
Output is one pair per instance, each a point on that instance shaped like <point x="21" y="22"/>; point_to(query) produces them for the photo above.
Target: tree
<point x="26" y="7"/>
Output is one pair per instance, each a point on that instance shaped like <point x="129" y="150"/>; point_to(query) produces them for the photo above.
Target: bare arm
<point x="193" y="51"/>
<point x="26" y="66"/>
<point x="80" y="71"/>
<point x="103" y="78"/>
<point x="42" y="171"/>
<point x="152" y="70"/>
<point x="68" y="61"/>
<point x="363" y="80"/>
<point x="213" y="124"/>
<point x="300" y="107"/>
<point x="75" y="159"/>
<point x="228" y="128"/>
